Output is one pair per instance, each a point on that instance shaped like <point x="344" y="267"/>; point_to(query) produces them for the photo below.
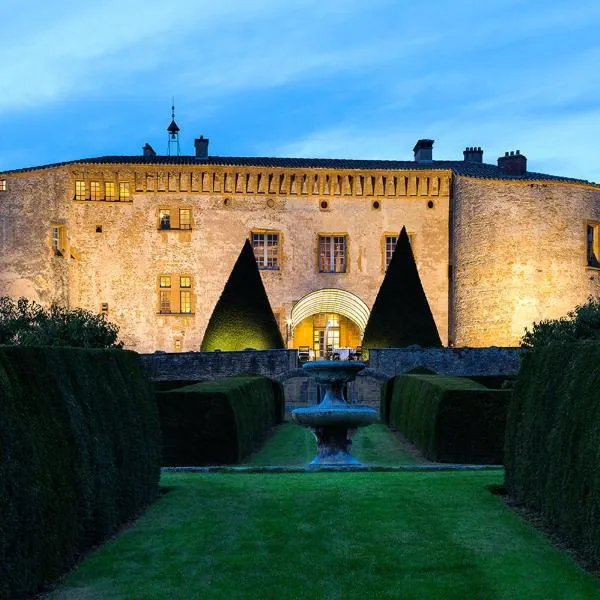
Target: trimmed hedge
<point x="218" y="422"/>
<point x="553" y="441"/>
<point x="79" y="456"/>
<point x="450" y="419"/>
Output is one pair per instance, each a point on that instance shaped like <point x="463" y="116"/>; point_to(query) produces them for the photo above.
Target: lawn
<point x="292" y="445"/>
<point x="324" y="535"/>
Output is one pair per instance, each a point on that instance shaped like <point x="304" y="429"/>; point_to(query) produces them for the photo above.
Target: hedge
<point x="553" y="441"/>
<point x="450" y="419"/>
<point x="79" y="456"/>
<point x="218" y="422"/>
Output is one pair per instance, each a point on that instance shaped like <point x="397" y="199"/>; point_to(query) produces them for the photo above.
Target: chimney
<point x="148" y="150"/>
<point x="513" y="163"/>
<point x="201" y="145"/>
<point x="473" y="154"/>
<point x="423" y="151"/>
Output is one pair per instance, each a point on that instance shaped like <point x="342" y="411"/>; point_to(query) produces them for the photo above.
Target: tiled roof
<point x="459" y="167"/>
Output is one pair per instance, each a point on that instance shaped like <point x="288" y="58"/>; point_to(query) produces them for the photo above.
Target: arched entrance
<point x="328" y="318"/>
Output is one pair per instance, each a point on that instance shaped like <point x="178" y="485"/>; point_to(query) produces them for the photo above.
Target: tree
<point x="401" y="315"/>
<point x="26" y="323"/>
<point x="582" y="323"/>
<point x="243" y="317"/>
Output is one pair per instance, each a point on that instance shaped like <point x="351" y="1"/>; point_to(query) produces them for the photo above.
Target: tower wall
<point x="519" y="256"/>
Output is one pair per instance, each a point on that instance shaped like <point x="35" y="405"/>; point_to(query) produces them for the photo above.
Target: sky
<point x="304" y="78"/>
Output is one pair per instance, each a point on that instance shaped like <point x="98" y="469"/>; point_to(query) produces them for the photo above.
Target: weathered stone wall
<point x="162" y="366"/>
<point x="519" y="256"/>
<point x="447" y="361"/>
<point x="31" y="204"/>
<point x="120" y="266"/>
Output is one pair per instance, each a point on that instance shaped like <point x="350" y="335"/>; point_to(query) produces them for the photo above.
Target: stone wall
<point x="162" y="366"/>
<point x="448" y="361"/>
<point x="519" y="256"/>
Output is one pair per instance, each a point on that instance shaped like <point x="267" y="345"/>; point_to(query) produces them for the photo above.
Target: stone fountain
<point x="333" y="418"/>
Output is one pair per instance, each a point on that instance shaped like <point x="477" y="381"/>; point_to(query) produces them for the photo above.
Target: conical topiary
<point x="243" y="317"/>
<point x="401" y="315"/>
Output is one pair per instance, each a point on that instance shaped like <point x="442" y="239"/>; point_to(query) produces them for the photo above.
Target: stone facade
<point x="495" y="253"/>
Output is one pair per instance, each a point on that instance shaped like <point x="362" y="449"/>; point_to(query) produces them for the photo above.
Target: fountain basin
<point x="333" y="419"/>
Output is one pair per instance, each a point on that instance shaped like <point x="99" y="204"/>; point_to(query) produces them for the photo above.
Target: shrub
<point x="218" y="422"/>
<point x="582" y="323"/>
<point x="450" y="419"/>
<point x="79" y="456"/>
<point x="553" y="441"/>
<point x="26" y="323"/>
<point x="243" y="318"/>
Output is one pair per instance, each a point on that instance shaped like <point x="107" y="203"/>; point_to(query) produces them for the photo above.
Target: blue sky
<point x="314" y="78"/>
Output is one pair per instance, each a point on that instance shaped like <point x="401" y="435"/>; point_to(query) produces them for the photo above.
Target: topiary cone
<point x="401" y="315"/>
<point x="243" y="317"/>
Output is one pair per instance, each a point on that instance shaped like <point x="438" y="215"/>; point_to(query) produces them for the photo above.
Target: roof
<point x="458" y="167"/>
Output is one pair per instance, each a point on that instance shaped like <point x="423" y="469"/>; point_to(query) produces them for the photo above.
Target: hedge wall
<point x="218" y="422"/>
<point x="450" y="419"/>
<point x="79" y="456"/>
<point x="553" y="441"/>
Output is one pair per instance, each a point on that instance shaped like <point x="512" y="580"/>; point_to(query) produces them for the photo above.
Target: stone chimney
<point x="148" y="150"/>
<point x="513" y="163"/>
<point x="201" y="145"/>
<point x="473" y="154"/>
<point x="423" y="151"/>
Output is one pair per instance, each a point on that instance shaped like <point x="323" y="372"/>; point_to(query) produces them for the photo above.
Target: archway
<point x="328" y="318"/>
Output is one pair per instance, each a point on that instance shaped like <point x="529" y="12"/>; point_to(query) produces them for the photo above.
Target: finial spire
<point x="173" y="131"/>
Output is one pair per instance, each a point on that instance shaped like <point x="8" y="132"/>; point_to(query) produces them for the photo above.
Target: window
<point x="80" y="190"/>
<point x="266" y="250"/>
<point x="185" y="218"/>
<point x="390" y="241"/>
<point x="58" y="235"/>
<point x="332" y="253"/>
<point x="164" y="219"/>
<point x="124" y="195"/>
<point x="2" y="185"/>
<point x="109" y="191"/>
<point x="175" y="294"/>
<point x="94" y="190"/>
<point x="593" y="245"/>
<point x="165" y="294"/>
<point x="185" y="301"/>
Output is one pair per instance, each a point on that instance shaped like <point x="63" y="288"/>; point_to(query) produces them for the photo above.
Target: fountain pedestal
<point x="333" y="418"/>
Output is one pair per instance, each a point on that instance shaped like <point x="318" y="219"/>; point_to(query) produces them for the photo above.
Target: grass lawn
<point x="409" y="535"/>
<point x="293" y="445"/>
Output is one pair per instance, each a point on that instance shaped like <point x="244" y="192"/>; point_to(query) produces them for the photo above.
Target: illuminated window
<point x="58" y="234"/>
<point x="80" y="190"/>
<point x="266" y="250"/>
<point x="109" y="191"/>
<point x="94" y="190"/>
<point x="593" y="245"/>
<point x="164" y="218"/>
<point x="185" y="301"/>
<point x="2" y="185"/>
<point x="178" y="344"/>
<point x="175" y="294"/>
<point x="185" y="218"/>
<point x="332" y="253"/>
<point x="124" y="195"/>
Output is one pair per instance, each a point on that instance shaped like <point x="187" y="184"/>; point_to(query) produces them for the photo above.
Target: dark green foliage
<point x="553" y="441"/>
<point x="582" y="323"/>
<point x="218" y="422"/>
<point x="495" y="382"/>
<point x="243" y="317"/>
<point x="79" y="456"/>
<point x="450" y="419"/>
<point x="401" y="315"/>
<point x="26" y="323"/>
